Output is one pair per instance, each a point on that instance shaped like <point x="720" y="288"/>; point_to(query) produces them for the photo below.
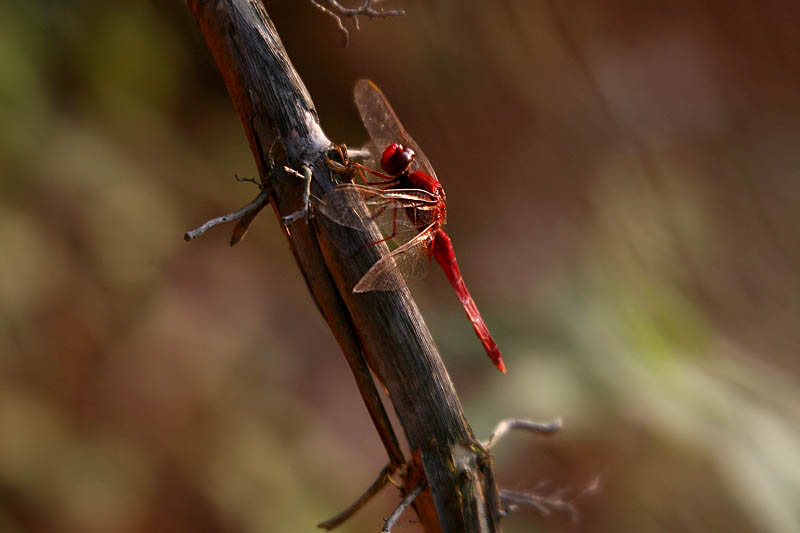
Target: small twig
<point x="504" y="426"/>
<point x="256" y="205"/>
<point x="337" y="11"/>
<point x="383" y="478"/>
<point x="546" y="504"/>
<point x="247" y="180"/>
<point x="507" y="510"/>
<point x="305" y="208"/>
<point x="240" y="230"/>
<point x="407" y="501"/>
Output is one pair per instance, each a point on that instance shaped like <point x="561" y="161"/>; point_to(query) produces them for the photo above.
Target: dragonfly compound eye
<point x="396" y="158"/>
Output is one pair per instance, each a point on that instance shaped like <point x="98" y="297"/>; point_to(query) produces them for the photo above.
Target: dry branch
<point x="383" y="332"/>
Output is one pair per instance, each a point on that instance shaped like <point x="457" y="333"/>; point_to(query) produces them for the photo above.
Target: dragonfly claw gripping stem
<point x="337" y="159"/>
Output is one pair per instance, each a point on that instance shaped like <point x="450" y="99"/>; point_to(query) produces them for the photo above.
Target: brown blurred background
<point x="623" y="197"/>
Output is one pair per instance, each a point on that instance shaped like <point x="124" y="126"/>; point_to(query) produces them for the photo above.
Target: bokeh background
<point x="623" y="192"/>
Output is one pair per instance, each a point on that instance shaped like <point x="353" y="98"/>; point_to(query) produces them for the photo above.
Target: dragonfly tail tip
<point x="500" y="366"/>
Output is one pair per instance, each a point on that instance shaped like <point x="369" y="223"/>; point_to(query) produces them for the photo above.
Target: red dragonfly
<point x="408" y="204"/>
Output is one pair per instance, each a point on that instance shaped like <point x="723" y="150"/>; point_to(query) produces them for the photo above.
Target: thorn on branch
<point x="337" y="11"/>
<point x="504" y="426"/>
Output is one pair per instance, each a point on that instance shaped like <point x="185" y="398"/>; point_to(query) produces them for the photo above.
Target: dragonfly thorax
<point x="421" y="180"/>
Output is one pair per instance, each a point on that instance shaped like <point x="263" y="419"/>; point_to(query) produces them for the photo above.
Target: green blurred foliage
<point x="623" y="193"/>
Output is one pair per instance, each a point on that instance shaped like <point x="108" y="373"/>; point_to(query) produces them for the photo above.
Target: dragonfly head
<point x="396" y="159"/>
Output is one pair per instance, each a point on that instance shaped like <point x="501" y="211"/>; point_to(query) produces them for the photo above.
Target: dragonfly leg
<point x="382" y="184"/>
<point x="378" y="211"/>
<point x="360" y="173"/>
<point x="304" y="210"/>
<point x="338" y="160"/>
<point x="394" y="229"/>
<point x="385" y="178"/>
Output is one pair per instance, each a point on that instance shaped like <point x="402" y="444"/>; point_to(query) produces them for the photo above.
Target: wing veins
<point x="380" y="276"/>
<point x="382" y="123"/>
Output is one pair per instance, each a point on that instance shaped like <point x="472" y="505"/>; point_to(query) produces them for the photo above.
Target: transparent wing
<point x="412" y="260"/>
<point x="368" y="155"/>
<point x="395" y="211"/>
<point x="382" y="123"/>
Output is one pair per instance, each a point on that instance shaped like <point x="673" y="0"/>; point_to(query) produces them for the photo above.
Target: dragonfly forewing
<point x="383" y="125"/>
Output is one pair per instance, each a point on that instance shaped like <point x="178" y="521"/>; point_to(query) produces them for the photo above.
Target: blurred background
<point x="623" y="197"/>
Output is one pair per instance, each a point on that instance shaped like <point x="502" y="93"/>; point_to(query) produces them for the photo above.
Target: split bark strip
<point x="387" y="328"/>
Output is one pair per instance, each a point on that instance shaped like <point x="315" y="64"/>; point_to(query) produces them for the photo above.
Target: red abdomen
<point x="446" y="257"/>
